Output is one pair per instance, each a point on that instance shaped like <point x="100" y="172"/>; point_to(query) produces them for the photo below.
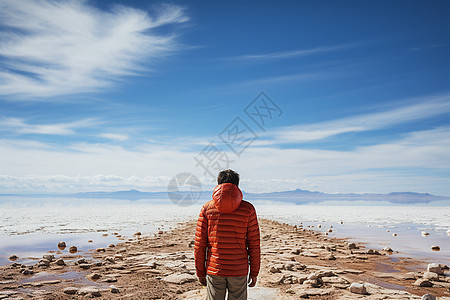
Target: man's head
<point x="228" y="176"/>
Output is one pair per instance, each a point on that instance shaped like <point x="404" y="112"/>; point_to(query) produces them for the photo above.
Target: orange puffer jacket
<point x="227" y="236"/>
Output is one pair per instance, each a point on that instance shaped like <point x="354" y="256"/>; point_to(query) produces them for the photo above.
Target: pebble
<point x="94" y="276"/>
<point x="60" y="262"/>
<point x="358" y="288"/>
<point x="387" y="249"/>
<point x="435" y="248"/>
<point x="73" y="249"/>
<point x="13" y="257"/>
<point x="95" y="292"/>
<point x="352" y="246"/>
<point x="49" y="257"/>
<point x="62" y="245"/>
<point x="100" y="250"/>
<point x="394" y="234"/>
<point x="114" y="289"/>
<point x="70" y="290"/>
<point x="111" y="245"/>
<point x="424" y="233"/>
<point x="430" y="276"/>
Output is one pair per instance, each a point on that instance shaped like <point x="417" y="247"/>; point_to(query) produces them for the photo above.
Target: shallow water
<point x="30" y="229"/>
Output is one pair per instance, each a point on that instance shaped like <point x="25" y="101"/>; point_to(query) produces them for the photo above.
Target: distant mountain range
<point x="297" y="196"/>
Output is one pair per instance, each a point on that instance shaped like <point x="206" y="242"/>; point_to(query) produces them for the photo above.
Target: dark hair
<point x="228" y="176"/>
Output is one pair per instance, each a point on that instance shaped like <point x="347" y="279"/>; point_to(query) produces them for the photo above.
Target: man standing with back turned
<point x="226" y="241"/>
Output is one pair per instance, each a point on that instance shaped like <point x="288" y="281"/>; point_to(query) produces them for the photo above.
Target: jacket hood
<point x="227" y="197"/>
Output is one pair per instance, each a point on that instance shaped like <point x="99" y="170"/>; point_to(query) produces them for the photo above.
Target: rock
<point x="81" y="261"/>
<point x="387" y="249"/>
<point x="313" y="282"/>
<point x="90" y="241"/>
<point x="330" y="230"/>
<point x="358" y="288"/>
<point x="111" y="245"/>
<point x="394" y="234"/>
<point x="62" y="245"/>
<point x="435" y="248"/>
<point x="179" y="278"/>
<point x="330" y="257"/>
<point x="100" y="250"/>
<point x="435" y="268"/>
<point x="114" y="289"/>
<point x="428" y="297"/>
<point x="423" y="283"/>
<point x="275" y="269"/>
<point x="85" y="266"/>
<point x="44" y="263"/>
<point x="13" y="257"/>
<point x="73" y="249"/>
<point x="49" y="257"/>
<point x="56" y="281"/>
<point x="27" y="272"/>
<point x="138" y="233"/>
<point x="110" y="279"/>
<point x="424" y="233"/>
<point x="94" y="276"/>
<point x="110" y="259"/>
<point x="70" y="290"/>
<point x="60" y="262"/>
<point x="88" y="290"/>
<point x="430" y="276"/>
<point x="351" y="246"/>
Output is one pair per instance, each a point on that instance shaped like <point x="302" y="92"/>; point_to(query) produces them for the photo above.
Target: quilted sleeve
<point x="253" y="244"/>
<point x="201" y="243"/>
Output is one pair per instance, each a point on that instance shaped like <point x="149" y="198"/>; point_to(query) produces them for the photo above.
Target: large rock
<point x="423" y="283"/>
<point x="428" y="297"/>
<point x="352" y="246"/>
<point x="60" y="262"/>
<point x="430" y="276"/>
<point x="180" y="278"/>
<point x="358" y="288"/>
<point x="435" y="268"/>
<point x="62" y="245"/>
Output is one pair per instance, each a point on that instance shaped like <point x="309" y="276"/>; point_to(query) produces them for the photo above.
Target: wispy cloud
<point x="54" y="48"/>
<point x="421" y="109"/>
<point x="114" y="136"/>
<point x="20" y="126"/>
<point x="293" y="53"/>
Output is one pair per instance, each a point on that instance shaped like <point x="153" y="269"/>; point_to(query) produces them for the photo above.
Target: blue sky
<point x="113" y="95"/>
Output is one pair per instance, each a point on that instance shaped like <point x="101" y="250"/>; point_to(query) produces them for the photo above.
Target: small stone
<point x="428" y="297"/>
<point x="110" y="279"/>
<point x="394" y="234"/>
<point x="387" y="249"/>
<point x="62" y="245"/>
<point x="44" y="263"/>
<point x="73" y="249"/>
<point x="100" y="250"/>
<point x="81" y="261"/>
<point x="330" y="257"/>
<point x="138" y="233"/>
<point x="27" y="272"/>
<point x="85" y="266"/>
<point x="60" y="262"/>
<point x="435" y="268"/>
<point x="90" y="241"/>
<point x="13" y="257"/>
<point x="111" y="245"/>
<point x="424" y="233"/>
<point x="358" y="288"/>
<point x="92" y="291"/>
<point x="70" y="290"/>
<point x="94" y="276"/>
<point x="352" y="246"/>
<point x="114" y="289"/>
<point x="423" y="283"/>
<point x="330" y="230"/>
<point x="110" y="259"/>
<point x="435" y="248"/>
<point x="49" y="257"/>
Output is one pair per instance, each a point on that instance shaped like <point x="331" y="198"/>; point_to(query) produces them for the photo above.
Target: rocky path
<point x="296" y="263"/>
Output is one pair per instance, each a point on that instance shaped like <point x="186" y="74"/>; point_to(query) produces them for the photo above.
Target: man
<point x="226" y="241"/>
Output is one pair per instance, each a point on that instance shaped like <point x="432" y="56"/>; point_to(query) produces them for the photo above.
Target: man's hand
<point x="202" y="280"/>
<point x="252" y="280"/>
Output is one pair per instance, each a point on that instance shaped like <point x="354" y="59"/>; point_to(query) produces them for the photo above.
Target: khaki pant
<point x="218" y="285"/>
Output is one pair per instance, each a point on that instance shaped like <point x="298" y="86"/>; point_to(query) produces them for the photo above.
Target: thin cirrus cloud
<point x="53" y="48"/>
<point x="422" y="109"/>
<point x="114" y="136"/>
<point x="293" y="53"/>
<point x="20" y="126"/>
